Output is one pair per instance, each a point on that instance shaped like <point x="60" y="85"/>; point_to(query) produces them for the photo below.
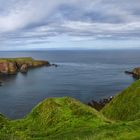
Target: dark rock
<point x="135" y="73"/>
<point x="98" y="105"/>
<point x="1" y="83"/>
<point x="128" y="72"/>
<point x="55" y="65"/>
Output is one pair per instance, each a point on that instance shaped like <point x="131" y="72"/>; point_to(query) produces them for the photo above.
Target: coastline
<point x="61" y="118"/>
<point x="11" y="66"/>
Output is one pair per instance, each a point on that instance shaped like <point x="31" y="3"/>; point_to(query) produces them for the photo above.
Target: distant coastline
<point x="13" y="65"/>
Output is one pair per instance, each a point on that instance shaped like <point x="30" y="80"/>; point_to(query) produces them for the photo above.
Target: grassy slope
<point x="20" y="59"/>
<point x="68" y="119"/>
<point x="112" y="131"/>
<point x="125" y="106"/>
<point x="53" y="117"/>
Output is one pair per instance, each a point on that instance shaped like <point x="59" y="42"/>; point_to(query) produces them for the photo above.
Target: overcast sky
<point x="72" y="24"/>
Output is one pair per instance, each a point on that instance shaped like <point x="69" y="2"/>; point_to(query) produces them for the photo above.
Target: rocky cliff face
<point x="24" y="68"/>
<point x="8" y="68"/>
<point x="14" y="65"/>
<point x="135" y="72"/>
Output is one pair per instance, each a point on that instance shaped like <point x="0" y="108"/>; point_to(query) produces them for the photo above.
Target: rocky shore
<point x="11" y="66"/>
<point x="98" y="105"/>
<point x="135" y="72"/>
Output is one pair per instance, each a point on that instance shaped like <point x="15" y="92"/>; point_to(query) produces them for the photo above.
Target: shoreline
<point x="10" y="66"/>
<point x="62" y="118"/>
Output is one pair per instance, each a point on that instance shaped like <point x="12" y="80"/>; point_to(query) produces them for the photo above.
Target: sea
<point x="82" y="74"/>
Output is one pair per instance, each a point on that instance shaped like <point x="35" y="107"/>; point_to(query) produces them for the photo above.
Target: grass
<point x="20" y="59"/>
<point x="54" y="116"/>
<point x="68" y="119"/>
<point x="113" y="131"/>
<point x="126" y="105"/>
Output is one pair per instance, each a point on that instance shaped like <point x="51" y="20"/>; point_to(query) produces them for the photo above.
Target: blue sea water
<point x="84" y="75"/>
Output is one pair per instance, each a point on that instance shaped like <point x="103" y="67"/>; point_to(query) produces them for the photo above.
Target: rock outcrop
<point x="13" y="65"/>
<point x="8" y="68"/>
<point x="102" y="103"/>
<point x="24" y="68"/>
<point x="135" y="72"/>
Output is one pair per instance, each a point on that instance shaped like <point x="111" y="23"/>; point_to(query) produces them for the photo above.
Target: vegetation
<point x="125" y="106"/>
<point x="25" y="60"/>
<point x="21" y="59"/>
<point x="68" y="119"/>
<point x="14" y="65"/>
<point x="53" y="116"/>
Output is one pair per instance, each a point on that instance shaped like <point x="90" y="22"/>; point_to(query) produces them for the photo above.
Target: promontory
<point x="10" y="66"/>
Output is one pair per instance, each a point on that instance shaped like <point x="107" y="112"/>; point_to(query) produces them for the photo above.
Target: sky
<point x="72" y="24"/>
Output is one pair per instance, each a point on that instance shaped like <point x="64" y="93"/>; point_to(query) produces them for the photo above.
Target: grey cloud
<point x="37" y="20"/>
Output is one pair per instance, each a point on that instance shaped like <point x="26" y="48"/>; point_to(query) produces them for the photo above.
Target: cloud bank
<point x="24" y="22"/>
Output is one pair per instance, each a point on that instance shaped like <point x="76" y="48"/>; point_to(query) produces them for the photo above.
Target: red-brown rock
<point x="8" y="68"/>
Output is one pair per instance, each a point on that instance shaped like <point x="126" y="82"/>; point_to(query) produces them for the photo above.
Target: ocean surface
<point x="84" y="75"/>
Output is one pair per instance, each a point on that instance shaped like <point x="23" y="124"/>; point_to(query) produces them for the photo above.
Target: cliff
<point x="135" y="72"/>
<point x="14" y="65"/>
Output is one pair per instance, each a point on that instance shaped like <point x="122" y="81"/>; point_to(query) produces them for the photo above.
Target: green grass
<point x="68" y="119"/>
<point x="52" y="117"/>
<point x="19" y="59"/>
<point x="126" y="105"/>
<point x="113" y="131"/>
